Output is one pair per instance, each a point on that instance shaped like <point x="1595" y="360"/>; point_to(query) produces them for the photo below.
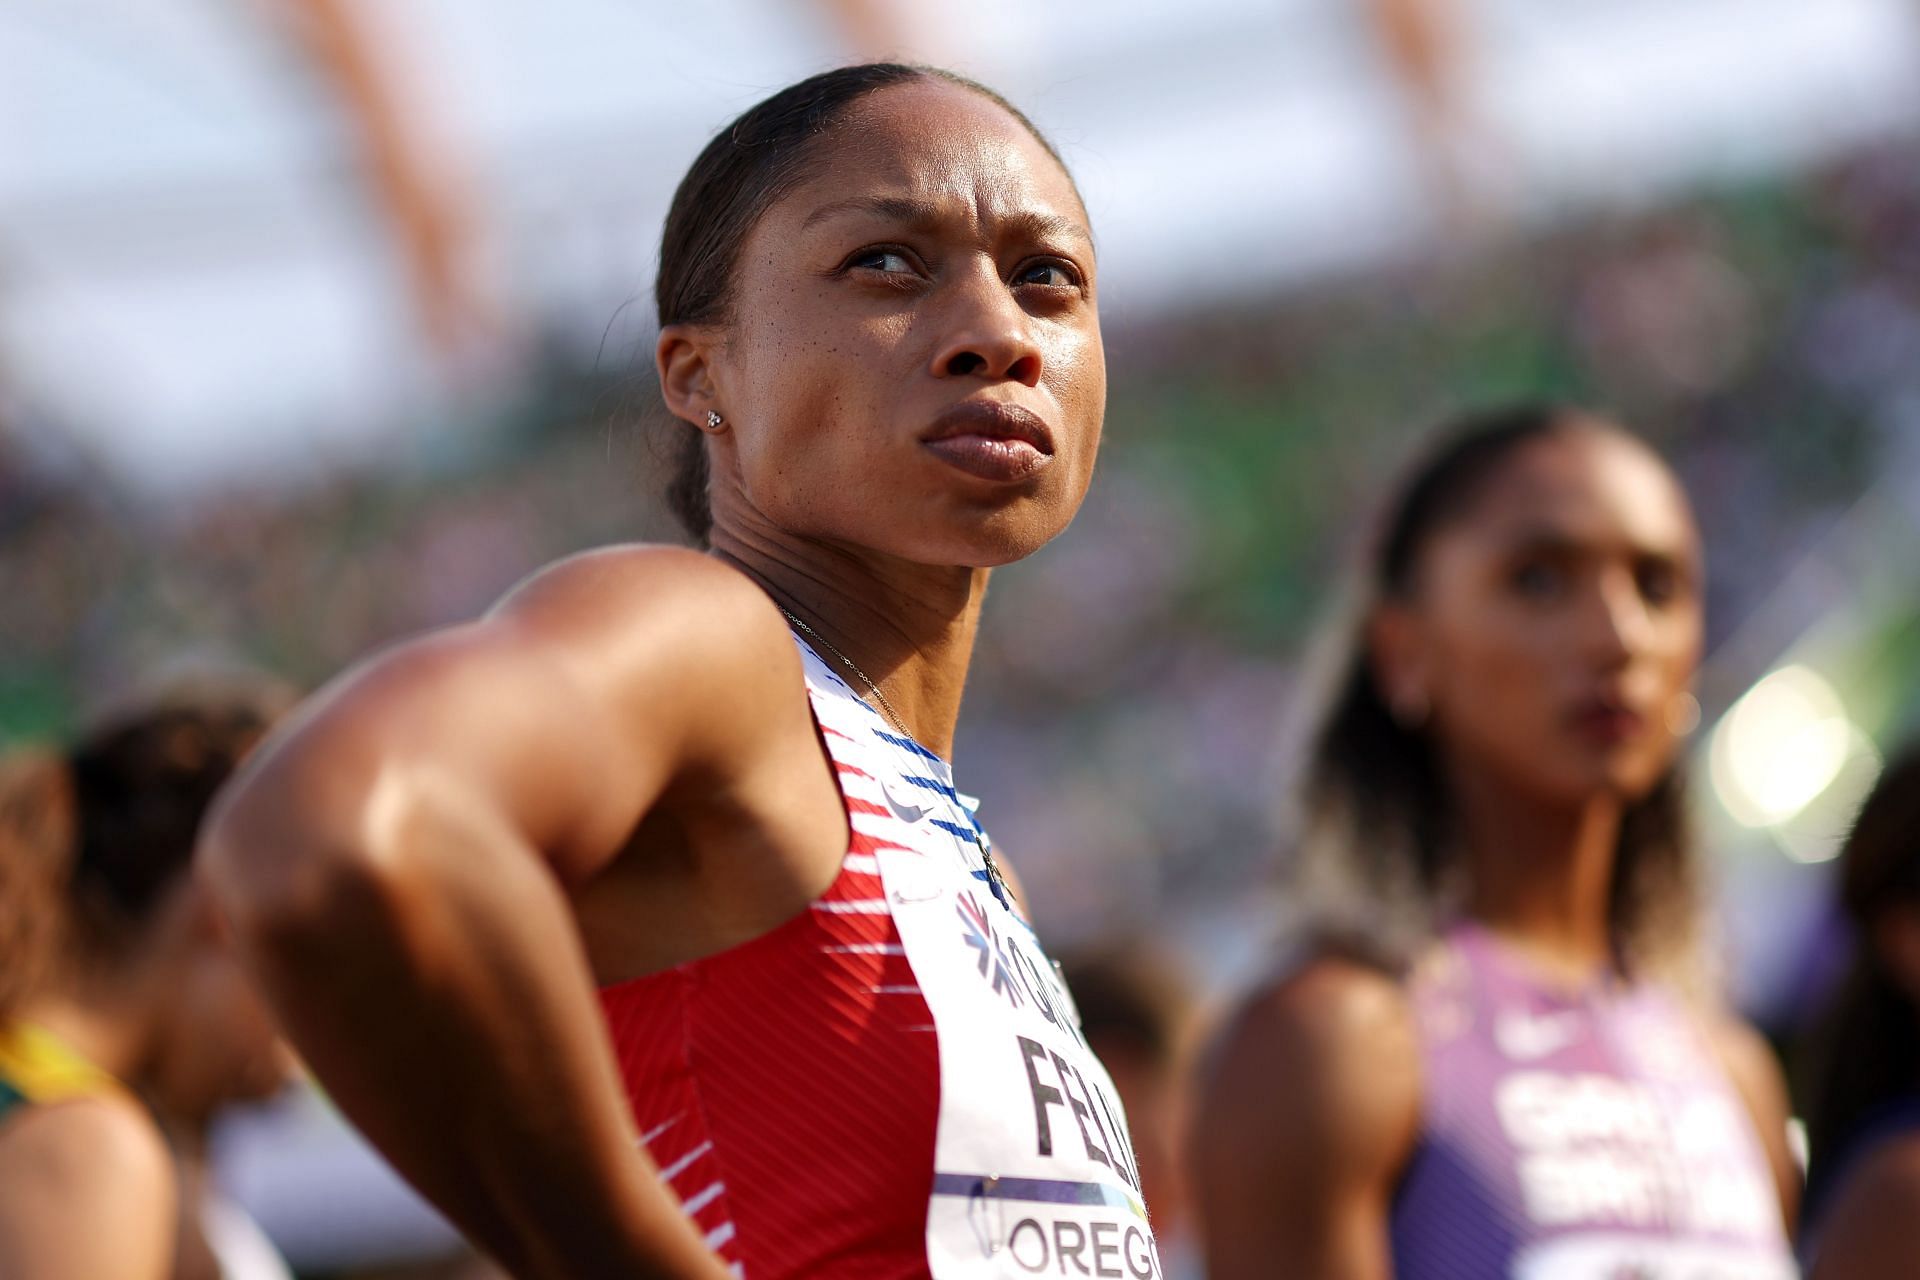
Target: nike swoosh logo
<point x="903" y="810"/>
<point x="1524" y="1037"/>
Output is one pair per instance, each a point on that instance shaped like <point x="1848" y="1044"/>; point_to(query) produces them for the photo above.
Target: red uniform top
<point x="815" y="1115"/>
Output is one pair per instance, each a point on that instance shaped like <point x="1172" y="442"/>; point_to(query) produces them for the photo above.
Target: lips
<point x="991" y="440"/>
<point x="1607" y="719"/>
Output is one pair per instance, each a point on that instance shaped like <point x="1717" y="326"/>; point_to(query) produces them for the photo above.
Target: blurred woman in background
<point x="1863" y="1096"/>
<point x="125" y="1021"/>
<point x="716" y="786"/>
<point x="1486" y="1062"/>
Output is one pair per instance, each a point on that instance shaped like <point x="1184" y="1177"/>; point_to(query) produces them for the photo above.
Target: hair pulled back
<point x="1376" y="859"/>
<point x="1865" y="1055"/>
<point x="36" y="844"/>
<point x="93" y="840"/>
<point x="742" y="172"/>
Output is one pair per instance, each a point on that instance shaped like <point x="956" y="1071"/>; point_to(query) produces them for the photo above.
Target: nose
<point x="987" y="334"/>
<point x="1618" y="621"/>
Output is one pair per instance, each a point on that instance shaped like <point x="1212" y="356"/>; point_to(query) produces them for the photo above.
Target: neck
<point x="110" y="1031"/>
<point x="907" y="628"/>
<point x="1540" y="873"/>
<point x="188" y="1139"/>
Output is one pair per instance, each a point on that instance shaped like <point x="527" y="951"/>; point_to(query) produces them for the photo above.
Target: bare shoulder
<point x="585" y="694"/>
<point x="89" y="1190"/>
<point x="1324" y="1013"/>
<point x="1748" y="1059"/>
<point x="110" y="1137"/>
<point x="1754" y="1071"/>
<point x="593" y="620"/>
<point x="659" y="589"/>
<point x="1868" y="1233"/>
<point x="1327" y="1053"/>
<point x="660" y="621"/>
<point x="1308" y="1111"/>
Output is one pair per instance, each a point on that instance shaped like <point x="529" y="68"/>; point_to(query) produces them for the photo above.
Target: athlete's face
<point x="1555" y="626"/>
<point x="914" y="362"/>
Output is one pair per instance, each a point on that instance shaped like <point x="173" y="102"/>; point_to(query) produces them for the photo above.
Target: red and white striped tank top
<point x="892" y="1084"/>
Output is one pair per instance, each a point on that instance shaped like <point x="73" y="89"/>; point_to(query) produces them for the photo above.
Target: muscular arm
<point x="86" y="1190"/>
<point x="396" y="867"/>
<point x="1307" y="1112"/>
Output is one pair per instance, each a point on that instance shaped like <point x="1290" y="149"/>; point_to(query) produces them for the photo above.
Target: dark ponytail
<point x="141" y="785"/>
<point x="93" y="842"/>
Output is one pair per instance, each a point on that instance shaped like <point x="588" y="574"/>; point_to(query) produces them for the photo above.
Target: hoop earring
<point x="1683" y="715"/>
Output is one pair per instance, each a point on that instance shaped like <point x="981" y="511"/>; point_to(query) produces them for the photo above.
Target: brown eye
<point x="1659" y="582"/>
<point x="1538" y="580"/>
<point x="1050" y="272"/>
<point x="888" y="260"/>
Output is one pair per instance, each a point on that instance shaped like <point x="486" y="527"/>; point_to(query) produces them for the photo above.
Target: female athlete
<point x="125" y="1023"/>
<point x="1484" y="1066"/>
<point x="715" y="788"/>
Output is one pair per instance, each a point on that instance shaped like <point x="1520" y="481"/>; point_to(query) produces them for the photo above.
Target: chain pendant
<point x="995" y="881"/>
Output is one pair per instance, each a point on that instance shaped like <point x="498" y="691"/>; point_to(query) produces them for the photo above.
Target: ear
<point x="1398" y="659"/>
<point x="1895" y="938"/>
<point x="684" y="358"/>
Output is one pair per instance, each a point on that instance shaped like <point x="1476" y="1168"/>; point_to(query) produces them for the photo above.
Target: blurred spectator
<point x="1136" y="1011"/>
<point x="1493" y="1058"/>
<point x="1863" y="1097"/>
<point x="125" y="1024"/>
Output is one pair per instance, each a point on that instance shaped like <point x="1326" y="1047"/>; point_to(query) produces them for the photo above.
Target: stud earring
<point x="714" y="419"/>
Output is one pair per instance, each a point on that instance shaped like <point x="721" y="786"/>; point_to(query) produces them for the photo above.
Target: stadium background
<point x="324" y="321"/>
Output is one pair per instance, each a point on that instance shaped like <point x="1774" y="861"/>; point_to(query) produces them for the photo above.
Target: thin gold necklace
<point x="995" y="879"/>
<point x="852" y="666"/>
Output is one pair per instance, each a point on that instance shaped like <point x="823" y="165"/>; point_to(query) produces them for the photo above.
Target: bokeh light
<point x="1780" y="746"/>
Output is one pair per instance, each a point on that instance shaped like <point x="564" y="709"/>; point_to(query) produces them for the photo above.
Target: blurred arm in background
<point x="1307" y="1114"/>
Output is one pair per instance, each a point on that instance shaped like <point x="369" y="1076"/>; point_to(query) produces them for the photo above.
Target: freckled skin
<point x="1576" y="571"/>
<point x="831" y="371"/>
